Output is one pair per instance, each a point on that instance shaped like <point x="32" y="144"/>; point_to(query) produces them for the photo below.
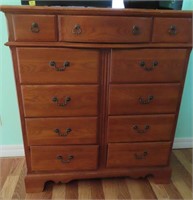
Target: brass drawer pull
<point x="172" y="30"/>
<point x="54" y="66"/>
<point x="68" y="160"/>
<point x="142" y="64"/>
<point x="140" y="156"/>
<point x="77" y="29"/>
<point x="136" y="128"/>
<point x="61" y="102"/>
<point x="35" y="27"/>
<point x="146" y="101"/>
<point x="67" y="131"/>
<point x="136" y="30"/>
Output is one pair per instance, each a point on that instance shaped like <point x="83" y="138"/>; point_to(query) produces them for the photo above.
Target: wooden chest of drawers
<point x="99" y="90"/>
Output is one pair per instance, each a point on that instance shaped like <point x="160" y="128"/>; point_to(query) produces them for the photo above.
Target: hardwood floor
<point x="13" y="171"/>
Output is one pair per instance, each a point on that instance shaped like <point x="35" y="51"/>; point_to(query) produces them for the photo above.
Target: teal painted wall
<point x="10" y="129"/>
<point x="10" y="122"/>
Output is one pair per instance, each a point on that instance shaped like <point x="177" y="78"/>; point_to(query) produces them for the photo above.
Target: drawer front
<point x="143" y="98"/>
<point x="138" y="154"/>
<point x="140" y="128"/>
<point x="60" y="158"/>
<point x="34" y="28"/>
<point x="68" y="100"/>
<point x="104" y="29"/>
<point x="53" y="131"/>
<point x="148" y="65"/>
<point x="172" y="30"/>
<point x="55" y="65"/>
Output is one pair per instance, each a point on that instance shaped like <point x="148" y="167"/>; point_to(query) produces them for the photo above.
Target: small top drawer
<point x="34" y="28"/>
<point x="172" y="30"/>
<point x="104" y="29"/>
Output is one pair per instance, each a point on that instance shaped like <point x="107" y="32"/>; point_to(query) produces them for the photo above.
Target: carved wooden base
<point x="36" y="182"/>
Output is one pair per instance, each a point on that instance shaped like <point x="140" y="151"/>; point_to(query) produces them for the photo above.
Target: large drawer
<point x="138" y="154"/>
<point x="140" y="128"/>
<point x="60" y="100"/>
<point x="37" y="28"/>
<point x="172" y="30"/>
<point x="104" y="29"/>
<point x="60" y="158"/>
<point x="53" y="131"/>
<point x="148" y="65"/>
<point x="56" y="65"/>
<point x="143" y="98"/>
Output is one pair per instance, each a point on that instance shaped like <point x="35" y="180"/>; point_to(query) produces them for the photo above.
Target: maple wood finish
<point x="50" y="131"/>
<point x="40" y="70"/>
<point x="68" y="158"/>
<point x="169" y="68"/>
<point x="109" y="29"/>
<point x="140" y="128"/>
<point x="172" y="30"/>
<point x="45" y="31"/>
<point x="39" y="100"/>
<point x="136" y="98"/>
<point x="138" y="154"/>
<point x="99" y="90"/>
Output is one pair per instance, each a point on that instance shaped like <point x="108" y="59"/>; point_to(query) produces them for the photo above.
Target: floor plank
<point x="181" y="178"/>
<point x="11" y="181"/>
<point x="184" y="161"/>
<point x="5" y="168"/>
<point x="165" y="191"/>
<point x="20" y="192"/>
<point x="72" y="190"/>
<point x="59" y="191"/>
<point x="140" y="189"/>
<point x="115" y="188"/>
<point x="97" y="189"/>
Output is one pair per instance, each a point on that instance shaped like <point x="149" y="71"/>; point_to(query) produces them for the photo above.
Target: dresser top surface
<point x="92" y="11"/>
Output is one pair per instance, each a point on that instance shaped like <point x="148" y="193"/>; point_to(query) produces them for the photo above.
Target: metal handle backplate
<point x="63" y="160"/>
<point x="140" y="156"/>
<point x="143" y="65"/>
<point x="172" y="30"/>
<point x="148" y="100"/>
<point x="58" y="131"/>
<point x="141" y="131"/>
<point x="35" y="27"/>
<point x="136" y="30"/>
<point x="54" y="65"/>
<point x="77" y="30"/>
<point x="62" y="102"/>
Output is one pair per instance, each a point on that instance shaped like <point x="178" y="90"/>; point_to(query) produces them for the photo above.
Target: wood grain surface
<point x="23" y="28"/>
<point x="38" y="100"/>
<point x="125" y="98"/>
<point x="161" y="32"/>
<point x="114" y="29"/>
<point x="83" y="65"/>
<point x="56" y="131"/>
<point x="137" y="128"/>
<point x="12" y="184"/>
<point x="126" y="65"/>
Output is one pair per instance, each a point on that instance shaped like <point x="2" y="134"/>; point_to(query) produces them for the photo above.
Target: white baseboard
<point x="11" y="150"/>
<point x="18" y="150"/>
<point x="183" y="143"/>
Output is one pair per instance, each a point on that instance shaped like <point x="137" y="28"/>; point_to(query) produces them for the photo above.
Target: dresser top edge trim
<point x="93" y="11"/>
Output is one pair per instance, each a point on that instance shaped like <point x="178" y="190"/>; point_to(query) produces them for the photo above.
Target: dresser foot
<point x="34" y="185"/>
<point x="163" y="176"/>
